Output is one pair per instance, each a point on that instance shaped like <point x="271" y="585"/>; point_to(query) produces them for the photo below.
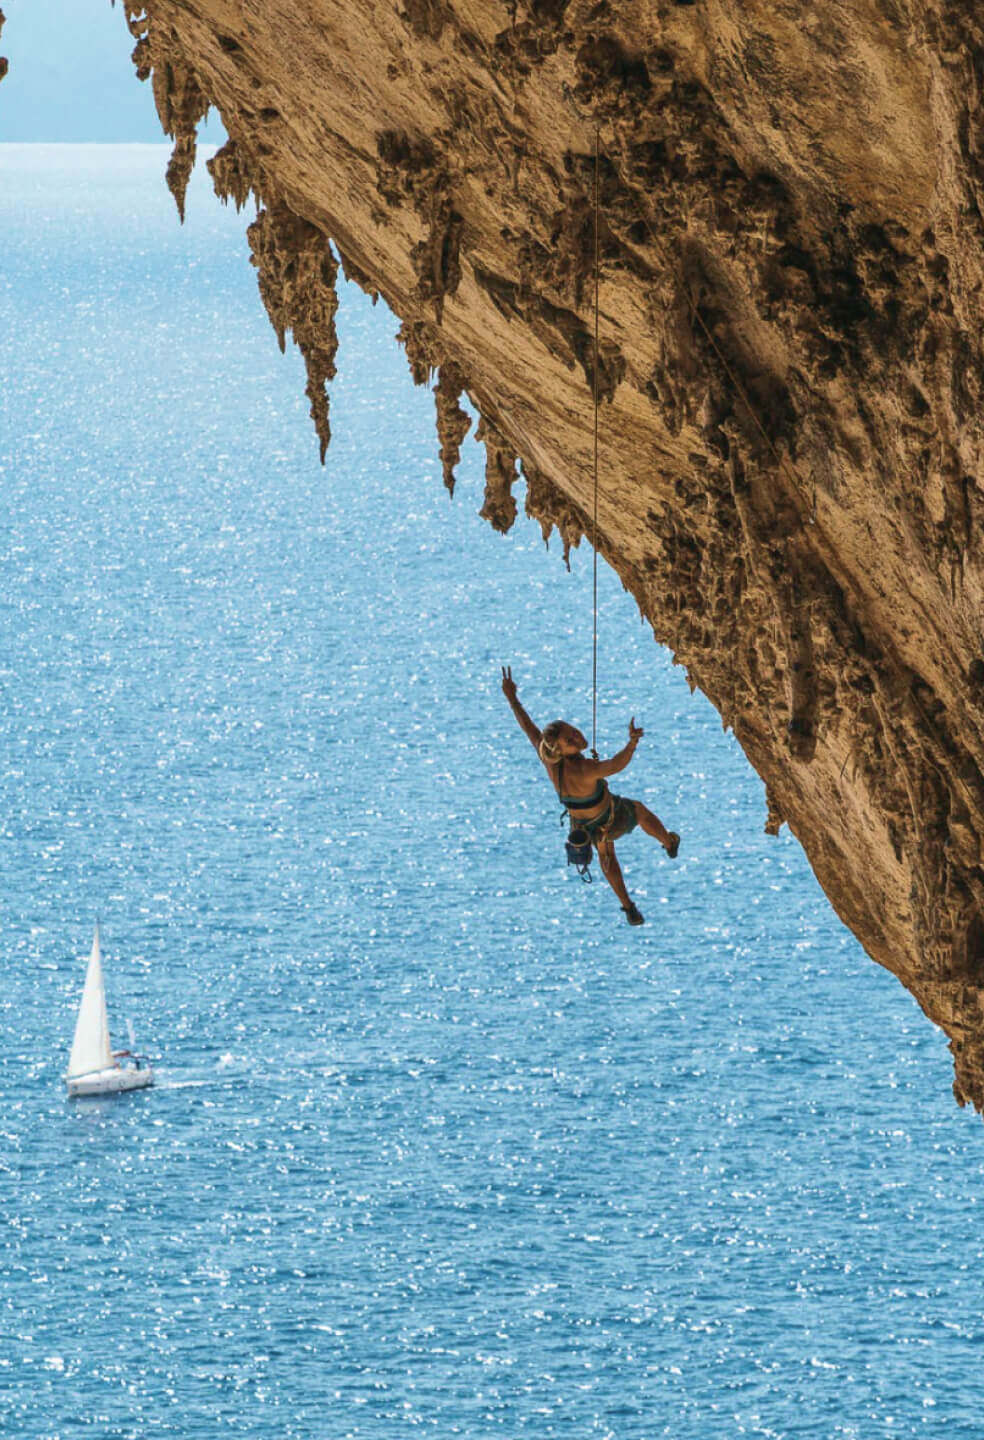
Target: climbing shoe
<point x="674" y="845"/>
<point x="633" y="915"/>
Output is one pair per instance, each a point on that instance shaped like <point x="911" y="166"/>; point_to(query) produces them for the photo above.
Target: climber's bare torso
<point x="577" y="775"/>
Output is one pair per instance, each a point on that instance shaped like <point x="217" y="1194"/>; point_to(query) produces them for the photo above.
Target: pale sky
<point x="71" y="77"/>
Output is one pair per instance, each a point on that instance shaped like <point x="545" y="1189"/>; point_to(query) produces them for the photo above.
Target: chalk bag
<point x="579" y="853"/>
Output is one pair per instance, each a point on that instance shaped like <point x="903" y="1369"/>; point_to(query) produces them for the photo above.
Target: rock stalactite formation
<point x="297" y="274"/>
<point x="792" y="261"/>
<point x="179" y="100"/>
<point x="452" y="422"/>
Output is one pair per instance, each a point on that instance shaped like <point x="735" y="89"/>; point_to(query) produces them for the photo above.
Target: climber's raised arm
<point x="525" y="723"/>
<point x="604" y="768"/>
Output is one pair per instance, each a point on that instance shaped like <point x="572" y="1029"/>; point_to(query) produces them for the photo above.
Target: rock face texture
<point x="792" y="259"/>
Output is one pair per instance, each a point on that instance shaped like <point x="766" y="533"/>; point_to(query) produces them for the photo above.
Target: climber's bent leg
<point x="654" y="826"/>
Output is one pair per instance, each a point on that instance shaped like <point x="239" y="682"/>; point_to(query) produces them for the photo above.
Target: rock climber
<point x="583" y="789"/>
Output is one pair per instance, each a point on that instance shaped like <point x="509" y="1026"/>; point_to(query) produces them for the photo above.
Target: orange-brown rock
<point x="792" y="260"/>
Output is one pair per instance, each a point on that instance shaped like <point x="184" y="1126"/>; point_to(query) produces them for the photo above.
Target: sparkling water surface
<point x="439" y="1145"/>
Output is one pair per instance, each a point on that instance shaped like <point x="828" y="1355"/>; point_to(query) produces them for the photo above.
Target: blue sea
<point x="439" y="1146"/>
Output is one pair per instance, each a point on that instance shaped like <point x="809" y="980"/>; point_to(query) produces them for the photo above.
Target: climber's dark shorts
<point x="618" y="820"/>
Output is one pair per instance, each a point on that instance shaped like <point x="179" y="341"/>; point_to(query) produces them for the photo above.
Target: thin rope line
<point x="594" y="524"/>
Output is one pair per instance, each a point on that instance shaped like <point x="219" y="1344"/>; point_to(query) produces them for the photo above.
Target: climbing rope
<point x="594" y="517"/>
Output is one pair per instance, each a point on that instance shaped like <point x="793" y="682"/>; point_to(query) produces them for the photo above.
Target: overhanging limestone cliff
<point x="792" y="262"/>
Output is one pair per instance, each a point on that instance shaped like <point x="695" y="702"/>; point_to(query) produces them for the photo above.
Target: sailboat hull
<point x="112" y="1081"/>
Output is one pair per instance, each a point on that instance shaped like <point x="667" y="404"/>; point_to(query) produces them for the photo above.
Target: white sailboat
<point x="93" y="1068"/>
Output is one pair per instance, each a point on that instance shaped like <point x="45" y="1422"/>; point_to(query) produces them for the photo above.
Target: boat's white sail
<point x="90" y="1048"/>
